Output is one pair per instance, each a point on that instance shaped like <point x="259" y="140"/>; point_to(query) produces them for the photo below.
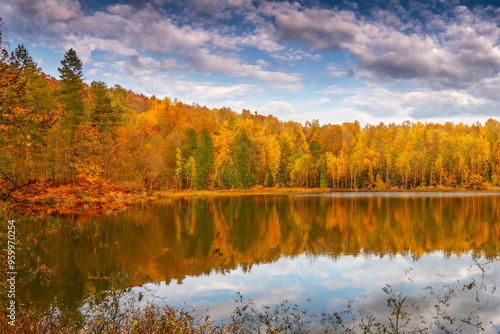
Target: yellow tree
<point x="439" y="168"/>
<point x="462" y="153"/>
<point x="87" y="160"/>
<point x="370" y="163"/>
<point x="271" y="160"/>
<point x="127" y="166"/>
<point x="223" y="152"/>
<point x="332" y="168"/>
<point x="417" y="134"/>
<point x="333" y="138"/>
<point x="403" y="146"/>
<point x="301" y="171"/>
<point x="350" y="132"/>
<point x="446" y="150"/>
<point x="495" y="163"/>
<point x="364" y="160"/>
<point x="180" y="167"/>
<point x="288" y="148"/>
<point x="480" y="154"/>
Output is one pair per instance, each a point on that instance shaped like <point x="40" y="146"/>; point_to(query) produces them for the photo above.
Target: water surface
<point x="317" y="250"/>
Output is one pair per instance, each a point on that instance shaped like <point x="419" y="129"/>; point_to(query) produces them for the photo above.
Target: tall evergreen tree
<point x="204" y="156"/>
<point x="72" y="89"/>
<point x="245" y="154"/>
<point x="189" y="144"/>
<point x="323" y="173"/>
<point x="316" y="150"/>
<point x="229" y="176"/>
<point x="186" y="164"/>
<point x="102" y="114"/>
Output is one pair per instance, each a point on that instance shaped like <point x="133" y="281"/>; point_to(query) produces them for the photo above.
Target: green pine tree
<point x="204" y="156"/>
<point x="316" y="151"/>
<point x="189" y="144"/>
<point x="245" y="156"/>
<point x="323" y="173"/>
<point x="229" y="179"/>
<point x="101" y="113"/>
<point x="72" y="89"/>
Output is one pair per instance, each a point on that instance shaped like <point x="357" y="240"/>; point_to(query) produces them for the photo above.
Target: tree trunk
<point x="432" y="176"/>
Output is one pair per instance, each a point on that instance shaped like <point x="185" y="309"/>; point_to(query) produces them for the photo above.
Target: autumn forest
<point x="66" y="131"/>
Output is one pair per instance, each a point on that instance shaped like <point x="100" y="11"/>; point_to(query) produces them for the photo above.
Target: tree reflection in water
<point x="292" y="241"/>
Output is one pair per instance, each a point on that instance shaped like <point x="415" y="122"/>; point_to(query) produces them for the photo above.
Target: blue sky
<point x="334" y="61"/>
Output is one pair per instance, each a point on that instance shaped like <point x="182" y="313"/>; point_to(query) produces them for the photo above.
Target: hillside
<point x="100" y="141"/>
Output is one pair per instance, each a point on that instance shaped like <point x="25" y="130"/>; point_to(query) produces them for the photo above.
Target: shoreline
<point x="94" y="199"/>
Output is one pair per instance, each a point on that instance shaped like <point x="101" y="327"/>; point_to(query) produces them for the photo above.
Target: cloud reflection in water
<point x="328" y="284"/>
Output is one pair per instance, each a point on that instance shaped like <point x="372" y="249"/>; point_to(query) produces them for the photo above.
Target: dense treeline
<point x="65" y="130"/>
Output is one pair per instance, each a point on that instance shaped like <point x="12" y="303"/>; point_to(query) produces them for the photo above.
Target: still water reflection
<point x="322" y="248"/>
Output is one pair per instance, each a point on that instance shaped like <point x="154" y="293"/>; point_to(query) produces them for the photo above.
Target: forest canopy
<point x="67" y="131"/>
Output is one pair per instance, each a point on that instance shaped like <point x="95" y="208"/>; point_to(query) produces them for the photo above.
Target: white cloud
<point x="334" y="90"/>
<point x="204" y="93"/>
<point x="203" y="60"/>
<point x="318" y="28"/>
<point x="85" y="45"/>
<point x="170" y="65"/>
<point x="146" y="30"/>
<point x="415" y="105"/>
<point x="263" y="37"/>
<point x="295" y="54"/>
<point x="262" y="63"/>
<point x="125" y="31"/>
<point x="466" y="51"/>
<point x="213" y="11"/>
<point x="335" y="71"/>
<point x="280" y="109"/>
<point x="425" y="104"/>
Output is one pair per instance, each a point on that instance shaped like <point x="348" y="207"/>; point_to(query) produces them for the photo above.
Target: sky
<point x="334" y="61"/>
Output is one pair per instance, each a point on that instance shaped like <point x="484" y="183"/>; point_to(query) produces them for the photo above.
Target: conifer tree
<point x="102" y="114"/>
<point x="72" y="89"/>
<point x="189" y="144"/>
<point x="316" y="151"/>
<point x="323" y="173"/>
<point x="204" y="156"/>
<point x="245" y="153"/>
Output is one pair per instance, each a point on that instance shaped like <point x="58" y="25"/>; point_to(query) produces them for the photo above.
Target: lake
<point x="323" y="252"/>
